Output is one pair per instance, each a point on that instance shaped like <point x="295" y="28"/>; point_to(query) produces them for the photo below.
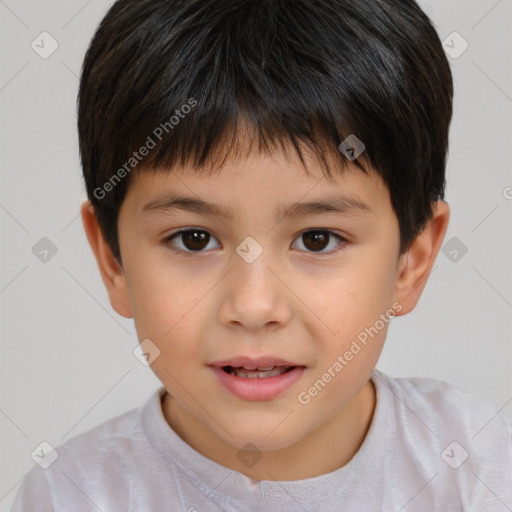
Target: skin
<point x="301" y="302"/>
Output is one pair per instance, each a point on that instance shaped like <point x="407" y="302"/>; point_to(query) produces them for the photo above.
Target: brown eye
<point x="318" y="239"/>
<point x="192" y="240"/>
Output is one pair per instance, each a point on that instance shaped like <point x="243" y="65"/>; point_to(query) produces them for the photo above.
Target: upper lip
<point x="252" y="363"/>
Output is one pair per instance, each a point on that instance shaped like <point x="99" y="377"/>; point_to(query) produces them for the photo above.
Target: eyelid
<point x="342" y="239"/>
<point x="168" y="238"/>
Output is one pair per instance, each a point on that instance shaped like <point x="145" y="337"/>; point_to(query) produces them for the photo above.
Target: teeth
<point x="259" y="373"/>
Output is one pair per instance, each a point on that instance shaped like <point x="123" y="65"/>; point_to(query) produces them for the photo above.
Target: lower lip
<point x="259" y="389"/>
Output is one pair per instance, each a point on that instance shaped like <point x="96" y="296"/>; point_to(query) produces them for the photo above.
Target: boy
<point x="266" y="183"/>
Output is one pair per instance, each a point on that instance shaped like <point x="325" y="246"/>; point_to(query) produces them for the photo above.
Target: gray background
<point x="67" y="360"/>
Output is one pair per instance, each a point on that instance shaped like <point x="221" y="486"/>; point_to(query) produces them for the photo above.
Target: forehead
<point x="278" y="182"/>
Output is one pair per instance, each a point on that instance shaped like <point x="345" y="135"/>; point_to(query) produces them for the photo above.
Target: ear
<point x="111" y="271"/>
<point x="416" y="264"/>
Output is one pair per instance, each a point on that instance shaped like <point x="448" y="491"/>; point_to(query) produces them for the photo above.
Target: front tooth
<point x="265" y="369"/>
<point x="257" y="374"/>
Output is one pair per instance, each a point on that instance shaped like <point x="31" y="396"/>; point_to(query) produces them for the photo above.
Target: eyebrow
<point x="338" y="204"/>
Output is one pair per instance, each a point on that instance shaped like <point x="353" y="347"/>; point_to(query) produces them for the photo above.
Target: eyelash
<point x="168" y="241"/>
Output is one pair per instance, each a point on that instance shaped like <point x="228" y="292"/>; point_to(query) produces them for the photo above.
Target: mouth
<point x="259" y="378"/>
<point x="258" y="373"/>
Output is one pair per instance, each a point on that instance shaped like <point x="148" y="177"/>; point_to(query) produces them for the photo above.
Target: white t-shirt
<point x="430" y="447"/>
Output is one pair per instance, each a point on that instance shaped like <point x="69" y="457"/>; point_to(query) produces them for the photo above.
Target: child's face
<point x="305" y="299"/>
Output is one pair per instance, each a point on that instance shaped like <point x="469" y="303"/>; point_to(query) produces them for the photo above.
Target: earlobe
<point x="111" y="271"/>
<point x="416" y="265"/>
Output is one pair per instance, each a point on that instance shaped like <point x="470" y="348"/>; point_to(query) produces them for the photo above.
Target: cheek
<point x="374" y="276"/>
<point x="162" y="304"/>
<point x="352" y="306"/>
<point x="355" y="300"/>
<point x="166" y="309"/>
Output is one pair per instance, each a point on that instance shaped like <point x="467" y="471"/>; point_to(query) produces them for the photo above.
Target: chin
<point x="247" y="438"/>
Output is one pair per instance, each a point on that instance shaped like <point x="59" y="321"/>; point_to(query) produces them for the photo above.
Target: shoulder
<point x="102" y="444"/>
<point x="460" y="440"/>
<point x="100" y="462"/>
<point x="446" y="406"/>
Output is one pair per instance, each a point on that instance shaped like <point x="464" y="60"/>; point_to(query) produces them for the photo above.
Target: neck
<point x="346" y="430"/>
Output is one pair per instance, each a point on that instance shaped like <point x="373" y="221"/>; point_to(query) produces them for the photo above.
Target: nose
<point x="255" y="296"/>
